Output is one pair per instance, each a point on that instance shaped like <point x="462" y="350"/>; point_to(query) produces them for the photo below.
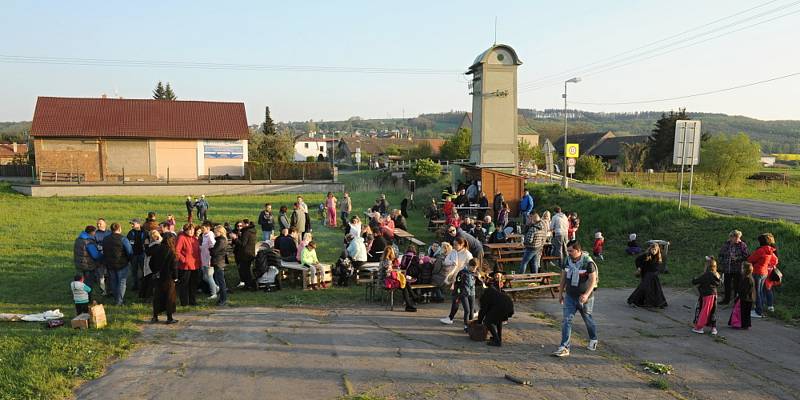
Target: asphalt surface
<point x="721" y="205"/>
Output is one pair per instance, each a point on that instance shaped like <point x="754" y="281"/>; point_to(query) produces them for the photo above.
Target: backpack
<point x="391" y="281"/>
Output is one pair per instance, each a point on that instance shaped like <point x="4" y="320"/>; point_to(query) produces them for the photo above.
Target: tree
<point x="633" y="156"/>
<point x="169" y="94"/>
<point x="311" y="126"/>
<point x="422" y="150"/>
<point x="158" y="93"/>
<point x="590" y="168"/>
<point x="268" y="128"/>
<point x="273" y="148"/>
<point x="426" y="171"/>
<point x="727" y="160"/>
<point x="457" y="147"/>
<point x="530" y="153"/>
<point x="662" y="140"/>
<point x="392" y="150"/>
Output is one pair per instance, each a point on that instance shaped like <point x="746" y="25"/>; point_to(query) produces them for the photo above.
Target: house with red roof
<point x="106" y="139"/>
<point x="11" y="152"/>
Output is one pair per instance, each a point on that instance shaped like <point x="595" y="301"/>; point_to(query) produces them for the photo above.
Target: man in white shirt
<point x="559" y="226"/>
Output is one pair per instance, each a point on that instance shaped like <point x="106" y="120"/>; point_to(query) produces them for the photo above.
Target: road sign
<point x="572" y="150"/>
<point x="548" y="146"/>
<point x="686" y="150"/>
<point x="570" y="169"/>
<point x="571" y="162"/>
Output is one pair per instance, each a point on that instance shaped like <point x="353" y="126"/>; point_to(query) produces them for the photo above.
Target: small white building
<point x="768" y="161"/>
<point x="310" y="147"/>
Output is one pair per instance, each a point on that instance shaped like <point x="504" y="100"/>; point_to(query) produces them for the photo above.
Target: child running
<point x="705" y="313"/>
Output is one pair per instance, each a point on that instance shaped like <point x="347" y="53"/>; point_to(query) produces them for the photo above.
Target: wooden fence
<point x="16" y="170"/>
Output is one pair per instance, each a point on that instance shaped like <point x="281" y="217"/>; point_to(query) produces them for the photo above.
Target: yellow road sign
<point x="572" y="150"/>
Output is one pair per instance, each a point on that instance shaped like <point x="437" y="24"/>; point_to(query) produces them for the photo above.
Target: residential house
<point x="10" y="152"/>
<point x="368" y="146"/>
<point x="606" y="145"/>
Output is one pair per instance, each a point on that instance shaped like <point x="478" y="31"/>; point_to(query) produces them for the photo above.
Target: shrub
<point x="630" y="181"/>
<point x="425" y="171"/>
<point x="311" y="158"/>
<point x="590" y="168"/>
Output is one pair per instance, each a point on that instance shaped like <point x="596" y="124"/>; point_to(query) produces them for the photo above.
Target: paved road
<point x="722" y="205"/>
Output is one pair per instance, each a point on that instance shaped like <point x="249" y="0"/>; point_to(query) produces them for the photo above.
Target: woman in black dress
<point x="649" y="292"/>
<point x="163" y="264"/>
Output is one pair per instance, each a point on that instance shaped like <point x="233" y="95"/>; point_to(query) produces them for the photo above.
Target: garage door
<point x="179" y="156"/>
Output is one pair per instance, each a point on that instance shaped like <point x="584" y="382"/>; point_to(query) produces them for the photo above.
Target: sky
<point x="553" y="39"/>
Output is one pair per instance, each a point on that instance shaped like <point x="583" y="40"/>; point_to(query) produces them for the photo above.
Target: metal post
<point x="683" y="163"/>
<point x="249" y="173"/>
<point x="56" y="179"/>
<point x="270" y="174"/>
<point x="33" y="174"/>
<point x="691" y="169"/>
<point x="209" y="175"/>
<point x="564" y="172"/>
<point x="123" y="176"/>
<point x="167" y="175"/>
<point x="304" y="173"/>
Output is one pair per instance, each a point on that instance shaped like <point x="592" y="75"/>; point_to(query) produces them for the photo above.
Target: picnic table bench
<point x="293" y="267"/>
<point x="435" y="224"/>
<point x="515" y="283"/>
<point x="405" y="235"/>
<point x="508" y="253"/>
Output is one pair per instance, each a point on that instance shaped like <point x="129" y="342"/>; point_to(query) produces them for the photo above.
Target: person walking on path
<point x="745" y="297"/>
<point x="345" y="208"/>
<point x="462" y="281"/>
<point x="731" y="256"/>
<point x="187" y="253"/>
<point x="526" y="206"/>
<point x="189" y="208"/>
<point x="761" y="260"/>
<point x="576" y="293"/>
<point x="559" y="225"/>
<point x="267" y="222"/>
<point x="534" y="238"/>
<point x="117" y="252"/>
<point x="705" y="314"/>
<point x="649" y="292"/>
<point x="86" y="256"/>
<point x="330" y="205"/>
<point x="163" y="264"/>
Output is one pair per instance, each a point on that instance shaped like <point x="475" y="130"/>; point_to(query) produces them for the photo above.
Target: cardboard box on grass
<point x="81" y="321"/>
<point x="97" y="316"/>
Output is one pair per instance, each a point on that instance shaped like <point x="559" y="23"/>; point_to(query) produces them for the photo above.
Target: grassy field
<point x="36" y="265"/>
<point x="693" y="234"/>
<point x="785" y="192"/>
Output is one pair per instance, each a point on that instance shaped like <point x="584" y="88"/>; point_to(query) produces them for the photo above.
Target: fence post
<point x="304" y="173"/>
<point x="33" y="174"/>
<point x="167" y="175"/>
<point x="209" y="175"/>
<point x="249" y="173"/>
<point x="123" y="176"/>
<point x="270" y="174"/>
<point x="56" y="177"/>
<point x="40" y="176"/>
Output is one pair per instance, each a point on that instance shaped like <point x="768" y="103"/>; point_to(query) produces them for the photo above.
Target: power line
<point x="689" y="95"/>
<point x="638" y="57"/>
<point x="100" y="62"/>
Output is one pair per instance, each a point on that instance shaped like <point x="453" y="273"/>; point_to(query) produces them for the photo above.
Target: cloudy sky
<point x="324" y="61"/>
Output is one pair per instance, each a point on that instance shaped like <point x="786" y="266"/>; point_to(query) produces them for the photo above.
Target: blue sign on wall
<point x="222" y="151"/>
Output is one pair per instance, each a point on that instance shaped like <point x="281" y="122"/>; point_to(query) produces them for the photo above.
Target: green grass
<point x="36" y="264"/>
<point x="693" y="234"/>
<point x="751" y="189"/>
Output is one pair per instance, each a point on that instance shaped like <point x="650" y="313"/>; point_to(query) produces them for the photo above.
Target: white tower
<point x="494" y="108"/>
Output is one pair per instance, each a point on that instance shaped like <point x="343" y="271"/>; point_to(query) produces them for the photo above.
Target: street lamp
<point x="565" y="181"/>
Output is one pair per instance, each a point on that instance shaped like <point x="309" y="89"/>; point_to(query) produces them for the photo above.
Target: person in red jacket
<point x="761" y="260"/>
<point x="187" y="253"/>
<point x="448" y="207"/>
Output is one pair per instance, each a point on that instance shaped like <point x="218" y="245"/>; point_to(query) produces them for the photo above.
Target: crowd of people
<point x="171" y="265"/>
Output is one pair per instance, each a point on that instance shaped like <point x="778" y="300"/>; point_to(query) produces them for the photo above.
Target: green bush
<point x="590" y="168"/>
<point x="425" y="171"/>
<point x="630" y="181"/>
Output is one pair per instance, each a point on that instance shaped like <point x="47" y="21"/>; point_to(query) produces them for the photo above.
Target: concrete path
<point x="722" y="205"/>
<point x="759" y="363"/>
<point x="296" y="353"/>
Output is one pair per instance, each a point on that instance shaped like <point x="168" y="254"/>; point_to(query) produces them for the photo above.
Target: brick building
<point x="147" y="139"/>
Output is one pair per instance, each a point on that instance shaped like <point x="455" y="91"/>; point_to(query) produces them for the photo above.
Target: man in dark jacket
<point x="244" y="248"/>
<point x="496" y="307"/>
<point x="139" y="240"/>
<point x="286" y="245"/>
<point x="266" y="221"/>
<point x="117" y="251"/>
<point x="87" y="256"/>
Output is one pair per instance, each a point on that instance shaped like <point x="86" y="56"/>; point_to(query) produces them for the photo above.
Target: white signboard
<point x="570" y="169"/>
<point x="686" y="150"/>
<point x="358" y="155"/>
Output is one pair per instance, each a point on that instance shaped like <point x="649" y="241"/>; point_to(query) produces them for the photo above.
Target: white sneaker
<point x="714" y="331"/>
<point x="240" y="285"/>
<point x="474" y="315"/>
<point x="214" y="297"/>
<point x="754" y="314"/>
<point x="592" y="345"/>
<point x="561" y="352"/>
<point x="700" y="331"/>
<point x="446" y="321"/>
<point x="771" y="309"/>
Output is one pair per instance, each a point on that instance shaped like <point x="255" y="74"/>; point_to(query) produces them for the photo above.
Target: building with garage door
<point x="104" y="139"/>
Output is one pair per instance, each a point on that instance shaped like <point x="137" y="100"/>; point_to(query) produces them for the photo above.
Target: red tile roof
<point x="7" y="149"/>
<point x="140" y="118"/>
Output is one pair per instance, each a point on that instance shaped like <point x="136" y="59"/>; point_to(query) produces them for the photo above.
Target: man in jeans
<point x="578" y="280"/>
<point x="559" y="225"/>
<point x="535" y="236"/>
<point x="267" y="222"/>
<point x="116" y="252"/>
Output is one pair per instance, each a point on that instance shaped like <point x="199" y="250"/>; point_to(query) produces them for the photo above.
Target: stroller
<point x="266" y="271"/>
<point x="343" y="270"/>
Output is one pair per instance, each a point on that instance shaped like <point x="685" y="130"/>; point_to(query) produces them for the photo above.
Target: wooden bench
<point x="435" y="224"/>
<point x="297" y="268"/>
<point x="542" y="280"/>
<point x="419" y="243"/>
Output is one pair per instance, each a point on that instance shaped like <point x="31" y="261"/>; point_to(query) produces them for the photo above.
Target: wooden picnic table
<point x="515" y="283"/>
<point x="508" y="253"/>
<point x="515" y="237"/>
<point x="408" y="236"/>
<point x="297" y="268"/>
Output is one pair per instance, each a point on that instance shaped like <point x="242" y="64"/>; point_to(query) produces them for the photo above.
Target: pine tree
<point x="660" y="144"/>
<point x="159" y="92"/>
<point x="268" y="128"/>
<point x="169" y="94"/>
